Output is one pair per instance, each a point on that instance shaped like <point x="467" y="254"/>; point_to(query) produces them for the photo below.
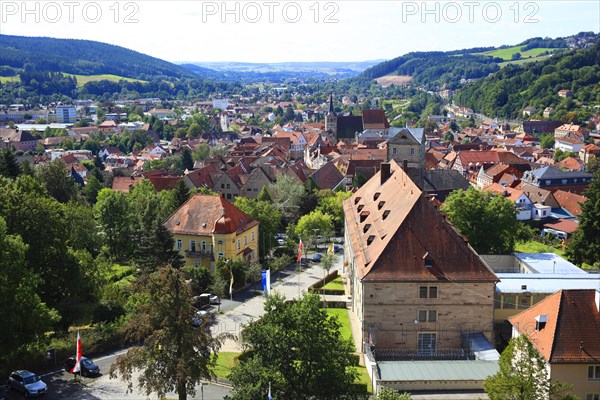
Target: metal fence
<point x="421" y="355"/>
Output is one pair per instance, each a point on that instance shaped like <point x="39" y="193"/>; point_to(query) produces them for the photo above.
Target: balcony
<point x="207" y="254"/>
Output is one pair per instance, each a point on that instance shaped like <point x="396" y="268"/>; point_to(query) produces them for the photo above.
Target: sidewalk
<point x="291" y="287"/>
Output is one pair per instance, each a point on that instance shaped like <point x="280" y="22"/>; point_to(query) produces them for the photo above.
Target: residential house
<point x="548" y="111"/>
<point x="570" y="201"/>
<point x="570" y="130"/>
<point x="327" y="177"/>
<point x="552" y="178"/>
<point x="522" y="203"/>
<point x="254" y="182"/>
<point x="589" y="151"/>
<point x="161" y="113"/>
<point x="564" y="93"/>
<point x="408" y="145"/>
<point x="227" y="183"/>
<point x="568" y="144"/>
<point x="529" y="111"/>
<point x="65" y="114"/>
<point x="206" y="228"/>
<point x="19" y="139"/>
<point x="415" y="282"/>
<point x="565" y="330"/>
<point x="571" y="164"/>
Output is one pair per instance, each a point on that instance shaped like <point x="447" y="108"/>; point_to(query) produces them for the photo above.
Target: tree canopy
<point x="297" y="348"/>
<point x="585" y="242"/>
<point x="488" y="220"/>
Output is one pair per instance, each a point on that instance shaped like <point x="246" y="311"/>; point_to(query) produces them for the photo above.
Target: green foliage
<point x="201" y="279"/>
<point x="547" y="141"/>
<point x="8" y="164"/>
<point x="186" y="159"/>
<point x="287" y="194"/>
<point x="489" y="221"/>
<point x="92" y="188"/>
<point x="312" y="225"/>
<point x="391" y="394"/>
<point x="522" y="375"/>
<point x="264" y="195"/>
<point x="331" y="203"/>
<point x="269" y="218"/>
<point x="54" y="176"/>
<point x="585" y="242"/>
<point x="201" y="152"/>
<point x="298" y="349"/>
<point x="113" y="214"/>
<point x="175" y="355"/>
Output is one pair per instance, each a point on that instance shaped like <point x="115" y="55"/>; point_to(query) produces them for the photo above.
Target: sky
<point x="301" y="30"/>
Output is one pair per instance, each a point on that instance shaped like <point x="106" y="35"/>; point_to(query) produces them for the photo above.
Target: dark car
<point x="87" y="366"/>
<point x="27" y="382"/>
<point x="315" y="258"/>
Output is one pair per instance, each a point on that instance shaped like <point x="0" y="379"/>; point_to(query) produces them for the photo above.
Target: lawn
<point x="536" y="247"/>
<point x="335" y="284"/>
<point x="507" y="53"/>
<point x="83" y="79"/>
<point x="364" y="378"/>
<point x="225" y="362"/>
<point x="4" y="79"/>
<point x="344" y="319"/>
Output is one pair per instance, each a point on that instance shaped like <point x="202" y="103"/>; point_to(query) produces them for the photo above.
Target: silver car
<point x="27" y="382"/>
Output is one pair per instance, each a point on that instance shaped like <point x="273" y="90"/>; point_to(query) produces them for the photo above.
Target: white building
<point x="66" y="114"/>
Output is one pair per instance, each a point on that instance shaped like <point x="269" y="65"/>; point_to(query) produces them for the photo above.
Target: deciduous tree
<point x="585" y="243"/>
<point x="269" y="218"/>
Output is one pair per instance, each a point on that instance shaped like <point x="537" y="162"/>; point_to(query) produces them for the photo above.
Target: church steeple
<point x="331" y="110"/>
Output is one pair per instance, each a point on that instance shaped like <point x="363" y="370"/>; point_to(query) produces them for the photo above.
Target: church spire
<point x="331" y="103"/>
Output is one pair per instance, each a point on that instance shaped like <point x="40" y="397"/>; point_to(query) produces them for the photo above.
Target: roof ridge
<point x="553" y="347"/>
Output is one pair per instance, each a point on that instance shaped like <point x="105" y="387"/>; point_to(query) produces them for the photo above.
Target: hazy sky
<point x="302" y="30"/>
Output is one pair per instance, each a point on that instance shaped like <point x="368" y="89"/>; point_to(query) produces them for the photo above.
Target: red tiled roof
<point x="564" y="225"/>
<point x="375" y="117"/>
<point x="124" y="183"/>
<point x="201" y="177"/>
<point x="164" y="182"/>
<point x="327" y="177"/>
<point x="405" y="230"/>
<point x="570" y="201"/>
<point x="572" y="330"/>
<point x="199" y="214"/>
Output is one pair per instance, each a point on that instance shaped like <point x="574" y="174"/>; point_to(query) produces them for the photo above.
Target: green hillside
<point x="507" y="53"/>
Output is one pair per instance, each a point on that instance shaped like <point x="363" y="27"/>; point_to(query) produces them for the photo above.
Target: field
<point x="335" y="284"/>
<point x="4" y="79"/>
<point x="344" y="320"/>
<point x="507" y="53"/>
<point x="537" y="247"/>
<point x="389" y="80"/>
<point x="83" y="79"/>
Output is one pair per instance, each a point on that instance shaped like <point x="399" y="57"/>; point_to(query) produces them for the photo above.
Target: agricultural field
<point x="508" y="52"/>
<point x="390" y="80"/>
<point x="83" y="79"/>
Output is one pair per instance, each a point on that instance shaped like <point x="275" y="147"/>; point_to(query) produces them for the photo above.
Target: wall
<point x="576" y="375"/>
<point x="403" y="386"/>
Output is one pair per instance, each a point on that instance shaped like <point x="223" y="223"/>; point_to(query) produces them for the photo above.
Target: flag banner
<point x="231" y="282"/>
<point x="269" y="396"/>
<point x="77" y="367"/>
<point x="268" y="282"/>
<point x="300" y="250"/>
<point x="330" y="249"/>
<point x="265" y="285"/>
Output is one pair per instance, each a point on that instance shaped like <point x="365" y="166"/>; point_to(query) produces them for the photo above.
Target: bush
<point x="201" y="279"/>
<point x="107" y="312"/>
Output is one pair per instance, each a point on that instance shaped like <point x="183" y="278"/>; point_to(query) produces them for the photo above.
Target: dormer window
<point x="356" y="200"/>
<point x="376" y="196"/>
<point x="366" y="228"/>
<point x="540" y="322"/>
<point x="370" y="240"/>
<point x="386" y="213"/>
<point x="360" y="207"/>
<point x="380" y="205"/>
<point x="363" y="216"/>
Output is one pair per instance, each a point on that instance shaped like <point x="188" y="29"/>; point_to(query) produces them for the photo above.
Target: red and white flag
<point x="77" y="367"/>
<point x="300" y="250"/>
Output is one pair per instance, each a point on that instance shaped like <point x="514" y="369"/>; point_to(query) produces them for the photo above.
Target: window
<point x="508" y="301"/>
<point x="252" y="235"/>
<point x="428" y="292"/>
<point x="412" y="152"/>
<point x="203" y="245"/>
<point x="427" y="316"/>
<point x="222" y="186"/>
<point x="220" y="255"/>
<point x="228" y="196"/>
<point x="228" y="186"/>
<point x="394" y="151"/>
<point x="178" y="244"/>
<point x="245" y="240"/>
<point x="592" y="396"/>
<point x="192" y="245"/>
<point x="594" y="372"/>
<point x="426" y="342"/>
<point x="219" y="242"/>
<point x="239" y="246"/>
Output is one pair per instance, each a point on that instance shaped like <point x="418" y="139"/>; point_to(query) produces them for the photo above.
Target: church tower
<point x="331" y="118"/>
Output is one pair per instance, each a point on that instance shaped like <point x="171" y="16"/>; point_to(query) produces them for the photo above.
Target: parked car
<point x="27" y="382"/>
<point x="87" y="366"/>
<point x="200" y="317"/>
<point x="207" y="298"/>
<point x="315" y="258"/>
<point x="338" y="248"/>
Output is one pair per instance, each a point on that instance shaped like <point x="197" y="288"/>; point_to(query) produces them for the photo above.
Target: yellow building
<point x="206" y="228"/>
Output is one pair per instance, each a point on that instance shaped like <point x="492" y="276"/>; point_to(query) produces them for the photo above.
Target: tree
<point x="269" y="218"/>
<point x="25" y="318"/>
<point x="488" y="220"/>
<point x="175" y="355"/>
<point x="186" y="159"/>
<point x="585" y="242"/>
<point x="54" y="176"/>
<point x="312" y="225"/>
<point x="328" y="261"/>
<point x="182" y="193"/>
<point x="332" y="203"/>
<point x="287" y="193"/>
<point x="547" y="141"/>
<point x="298" y="349"/>
<point x="9" y="166"/>
<point x="155" y="246"/>
<point x="201" y="152"/>
<point x="113" y="215"/>
<point x="264" y="195"/>
<point x="522" y="375"/>
<point x="92" y="188"/>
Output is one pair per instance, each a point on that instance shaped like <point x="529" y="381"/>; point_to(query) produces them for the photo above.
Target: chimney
<point x="385" y="172"/>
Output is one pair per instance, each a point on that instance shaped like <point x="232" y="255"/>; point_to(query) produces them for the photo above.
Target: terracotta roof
<point x="570" y="201"/>
<point x="164" y="182"/>
<point x="374" y="118"/>
<point x="69" y="159"/>
<point x="572" y="164"/>
<point x="403" y="233"/>
<point x="327" y="177"/>
<point x="200" y="213"/>
<point x="591" y="147"/>
<point x="568" y="140"/>
<point x="572" y="330"/>
<point x="202" y="177"/>
<point x="124" y="183"/>
<point x="564" y="225"/>
<point x="512" y="194"/>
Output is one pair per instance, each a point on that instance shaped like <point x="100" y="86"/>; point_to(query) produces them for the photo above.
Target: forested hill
<point x="514" y="87"/>
<point x="83" y="57"/>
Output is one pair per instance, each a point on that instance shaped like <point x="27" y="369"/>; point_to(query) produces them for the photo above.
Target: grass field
<point x="537" y="247"/>
<point x="508" y="52"/>
<point x="344" y="319"/>
<point x="4" y="79"/>
<point x="83" y="79"/>
<point x="225" y="362"/>
<point x="335" y="284"/>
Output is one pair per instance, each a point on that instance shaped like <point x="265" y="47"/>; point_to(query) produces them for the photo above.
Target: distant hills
<point x="436" y="70"/>
<point x="84" y="57"/>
